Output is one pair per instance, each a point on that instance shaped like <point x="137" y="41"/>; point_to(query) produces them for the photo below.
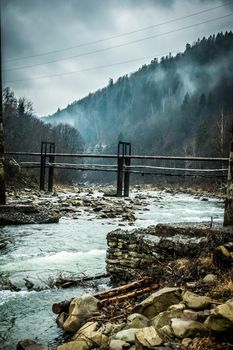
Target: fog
<point x="33" y="27"/>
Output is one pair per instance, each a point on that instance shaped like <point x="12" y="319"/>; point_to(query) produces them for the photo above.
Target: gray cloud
<point x="32" y="27"/>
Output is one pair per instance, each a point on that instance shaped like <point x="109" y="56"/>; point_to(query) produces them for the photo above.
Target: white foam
<point x="6" y="295"/>
<point x="58" y="258"/>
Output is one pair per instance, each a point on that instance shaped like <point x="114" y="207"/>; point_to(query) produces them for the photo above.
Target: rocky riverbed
<point x="170" y="318"/>
<point x="76" y="245"/>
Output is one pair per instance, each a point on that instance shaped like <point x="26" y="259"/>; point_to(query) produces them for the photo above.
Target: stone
<point x="164" y="242"/>
<point x="221" y="318"/>
<point x="118" y="327"/>
<point x="158" y="302"/>
<point x="186" y="342"/>
<point x="147" y="338"/>
<point x="79" y="310"/>
<point x="196" y="302"/>
<point x="118" y="345"/>
<point x="81" y="344"/>
<point x="164" y="318"/>
<point x="127" y="335"/>
<point x="193" y="315"/>
<point x="187" y="328"/>
<point x="210" y="278"/>
<point x="106" y="328"/>
<point x="166" y="333"/>
<point x="176" y="307"/>
<point x="87" y="330"/>
<point x="86" y="338"/>
<point x="137" y="321"/>
<point x="28" y="344"/>
<point x="61" y="319"/>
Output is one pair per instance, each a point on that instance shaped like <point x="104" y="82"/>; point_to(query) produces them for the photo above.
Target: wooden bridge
<point x="124" y="165"/>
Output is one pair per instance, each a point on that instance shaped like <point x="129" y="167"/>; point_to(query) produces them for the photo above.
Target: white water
<point x="41" y="252"/>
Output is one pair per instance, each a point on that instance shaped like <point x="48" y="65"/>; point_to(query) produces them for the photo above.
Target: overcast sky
<point x="32" y="28"/>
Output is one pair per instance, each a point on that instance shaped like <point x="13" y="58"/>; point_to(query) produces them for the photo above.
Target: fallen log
<point x="116" y="291"/>
<point x="63" y="306"/>
<point x="130" y="295"/>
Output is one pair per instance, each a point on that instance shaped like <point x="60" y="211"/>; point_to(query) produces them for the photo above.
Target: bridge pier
<point x="45" y="147"/>
<point x="124" y="149"/>
<point x="228" y="213"/>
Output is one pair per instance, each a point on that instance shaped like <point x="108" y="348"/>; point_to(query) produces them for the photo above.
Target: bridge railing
<point x="123" y="166"/>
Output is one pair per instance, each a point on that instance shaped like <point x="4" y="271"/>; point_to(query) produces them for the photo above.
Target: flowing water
<point x="41" y="252"/>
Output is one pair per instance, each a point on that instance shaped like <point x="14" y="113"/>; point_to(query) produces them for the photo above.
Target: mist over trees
<point x="178" y="105"/>
<point x="24" y="132"/>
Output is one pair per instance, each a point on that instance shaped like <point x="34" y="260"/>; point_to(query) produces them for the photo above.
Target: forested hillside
<point x="24" y="132"/>
<point x="178" y="105"/>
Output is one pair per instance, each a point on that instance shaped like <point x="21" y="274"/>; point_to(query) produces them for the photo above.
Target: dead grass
<point x="224" y="287"/>
<point x="206" y="261"/>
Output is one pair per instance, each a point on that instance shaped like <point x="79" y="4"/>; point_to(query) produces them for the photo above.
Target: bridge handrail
<point x="115" y="156"/>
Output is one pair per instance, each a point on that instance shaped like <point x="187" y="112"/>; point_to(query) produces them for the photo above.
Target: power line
<point x="119" y="35"/>
<point x="89" y="69"/>
<point x="120" y="45"/>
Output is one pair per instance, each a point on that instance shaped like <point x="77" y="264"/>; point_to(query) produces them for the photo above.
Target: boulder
<point x="107" y="328"/>
<point x="210" y="278"/>
<point x="164" y="318"/>
<point x="193" y="315"/>
<point x="127" y="335"/>
<point x="86" y="338"/>
<point x="186" y="342"/>
<point x="196" y="302"/>
<point x="61" y="319"/>
<point x="75" y="345"/>
<point x="166" y="333"/>
<point x="79" y="310"/>
<point x="187" y="328"/>
<point x="158" y="302"/>
<point x="28" y="344"/>
<point x="147" y="338"/>
<point x="176" y="307"/>
<point x="221" y="318"/>
<point x="86" y="330"/>
<point x="137" y="321"/>
<point x="118" y="345"/>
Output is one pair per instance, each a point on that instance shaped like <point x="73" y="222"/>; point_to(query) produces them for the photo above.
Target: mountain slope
<point x="178" y="105"/>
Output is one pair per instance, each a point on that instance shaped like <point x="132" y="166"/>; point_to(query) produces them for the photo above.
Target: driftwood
<point x="130" y="295"/>
<point x="124" y="288"/>
<point x="113" y="295"/>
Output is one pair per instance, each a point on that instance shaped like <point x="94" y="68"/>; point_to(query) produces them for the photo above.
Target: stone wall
<point x="141" y="251"/>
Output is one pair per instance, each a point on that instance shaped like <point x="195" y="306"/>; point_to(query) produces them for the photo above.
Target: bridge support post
<point x="51" y="168"/>
<point x="42" y="165"/>
<point x="124" y="149"/>
<point x="127" y="163"/>
<point x="46" y="146"/>
<point x="228" y="213"/>
<point x="120" y="162"/>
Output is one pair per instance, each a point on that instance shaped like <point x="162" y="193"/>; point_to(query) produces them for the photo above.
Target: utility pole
<point x="2" y="172"/>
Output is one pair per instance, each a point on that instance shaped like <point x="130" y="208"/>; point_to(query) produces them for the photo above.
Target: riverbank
<point x="76" y="246"/>
<point x="191" y="267"/>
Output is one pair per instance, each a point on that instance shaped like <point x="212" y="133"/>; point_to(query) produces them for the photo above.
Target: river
<point x="73" y="247"/>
